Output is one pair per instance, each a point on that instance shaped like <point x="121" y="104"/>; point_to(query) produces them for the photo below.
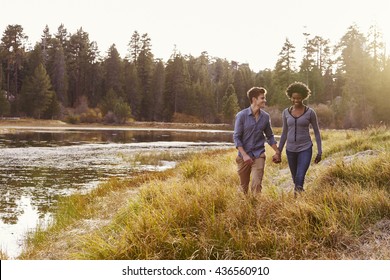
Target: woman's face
<point x="296" y="98"/>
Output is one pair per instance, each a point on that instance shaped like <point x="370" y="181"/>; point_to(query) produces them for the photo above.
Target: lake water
<point x="37" y="166"/>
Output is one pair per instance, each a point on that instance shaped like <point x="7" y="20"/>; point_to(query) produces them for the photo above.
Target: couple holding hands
<point x="252" y="129"/>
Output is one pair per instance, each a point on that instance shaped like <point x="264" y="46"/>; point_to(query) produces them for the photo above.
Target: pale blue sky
<point x="248" y="31"/>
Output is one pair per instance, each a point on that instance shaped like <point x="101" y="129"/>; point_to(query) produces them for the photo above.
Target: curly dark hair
<point x="298" y="87"/>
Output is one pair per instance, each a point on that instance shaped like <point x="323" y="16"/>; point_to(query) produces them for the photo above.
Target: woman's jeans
<point x="299" y="163"/>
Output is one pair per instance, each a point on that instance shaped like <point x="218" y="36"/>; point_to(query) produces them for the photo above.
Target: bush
<point x="72" y="119"/>
<point x="184" y="118"/>
<point x="110" y="117"/>
<point x="91" y="116"/>
<point x="276" y="116"/>
<point x="325" y="115"/>
<point x="122" y="111"/>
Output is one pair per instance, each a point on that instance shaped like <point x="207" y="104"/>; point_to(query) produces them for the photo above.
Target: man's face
<point x="260" y="101"/>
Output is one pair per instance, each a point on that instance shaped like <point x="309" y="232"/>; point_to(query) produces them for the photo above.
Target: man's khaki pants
<point x="246" y="171"/>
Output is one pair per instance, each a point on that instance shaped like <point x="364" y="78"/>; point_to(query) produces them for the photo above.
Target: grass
<point x="155" y="158"/>
<point x="3" y="256"/>
<point x="196" y="212"/>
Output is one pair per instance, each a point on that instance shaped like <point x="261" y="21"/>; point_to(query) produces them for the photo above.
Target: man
<point x="252" y="129"/>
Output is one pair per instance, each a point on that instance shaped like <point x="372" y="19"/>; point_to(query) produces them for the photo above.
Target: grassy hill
<point x="196" y="212"/>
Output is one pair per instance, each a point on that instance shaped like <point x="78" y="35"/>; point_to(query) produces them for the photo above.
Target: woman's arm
<point x="317" y="134"/>
<point x="283" y="137"/>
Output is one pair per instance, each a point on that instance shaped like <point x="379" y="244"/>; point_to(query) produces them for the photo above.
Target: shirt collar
<point x="249" y="111"/>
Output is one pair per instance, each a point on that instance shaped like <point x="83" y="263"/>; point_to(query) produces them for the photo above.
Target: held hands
<point x="317" y="159"/>
<point x="277" y="158"/>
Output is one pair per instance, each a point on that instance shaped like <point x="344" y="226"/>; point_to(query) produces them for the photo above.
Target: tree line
<point x="64" y="77"/>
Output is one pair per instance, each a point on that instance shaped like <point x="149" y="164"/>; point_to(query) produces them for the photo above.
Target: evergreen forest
<point x="65" y="77"/>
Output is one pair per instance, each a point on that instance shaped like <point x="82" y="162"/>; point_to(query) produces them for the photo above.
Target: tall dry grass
<point x="198" y="213"/>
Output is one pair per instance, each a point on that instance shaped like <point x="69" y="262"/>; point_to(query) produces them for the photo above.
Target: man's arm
<point x="245" y="156"/>
<point x="277" y="157"/>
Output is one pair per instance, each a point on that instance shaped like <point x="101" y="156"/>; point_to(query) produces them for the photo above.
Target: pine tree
<point x="36" y="93"/>
<point x="230" y="105"/>
<point x="57" y="71"/>
<point x="356" y="72"/>
<point x="145" y="70"/>
<point x="157" y="91"/>
<point x="131" y="88"/>
<point x="113" y="71"/>
<point x="12" y="49"/>
<point x="284" y="74"/>
<point x="81" y="54"/>
<point x="4" y="104"/>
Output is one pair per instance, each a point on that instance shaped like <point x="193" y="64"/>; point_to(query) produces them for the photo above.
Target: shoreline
<point x="8" y="125"/>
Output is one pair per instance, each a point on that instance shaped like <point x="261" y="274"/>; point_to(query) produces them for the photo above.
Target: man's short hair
<point x="255" y="92"/>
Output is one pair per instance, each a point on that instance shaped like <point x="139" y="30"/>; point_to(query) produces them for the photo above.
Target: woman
<point x="296" y="122"/>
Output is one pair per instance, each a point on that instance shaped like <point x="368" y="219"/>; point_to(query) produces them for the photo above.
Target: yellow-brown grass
<point x="197" y="212"/>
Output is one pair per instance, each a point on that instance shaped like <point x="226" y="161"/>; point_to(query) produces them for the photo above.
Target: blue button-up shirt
<point x="251" y="134"/>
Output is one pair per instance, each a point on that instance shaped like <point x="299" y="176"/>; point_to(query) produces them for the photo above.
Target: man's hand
<point x="247" y="159"/>
<point x="277" y="158"/>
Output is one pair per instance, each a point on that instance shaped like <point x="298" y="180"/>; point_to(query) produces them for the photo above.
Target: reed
<point x="3" y="256"/>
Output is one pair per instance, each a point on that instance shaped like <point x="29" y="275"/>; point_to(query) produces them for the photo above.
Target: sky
<point x="246" y="31"/>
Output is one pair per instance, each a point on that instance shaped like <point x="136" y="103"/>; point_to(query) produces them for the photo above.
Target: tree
<point x="376" y="47"/>
<point x="113" y="104"/>
<point x="221" y="77"/>
<point x="157" y="91"/>
<point x="380" y="77"/>
<point x="200" y="92"/>
<point x="145" y="71"/>
<point x="4" y="104"/>
<point x="32" y="60"/>
<point x="230" y="104"/>
<point x="58" y="71"/>
<point x="354" y="66"/>
<point x="176" y="86"/>
<point x="243" y="81"/>
<point x="122" y="111"/>
<point x="315" y="64"/>
<point x="135" y="46"/>
<point x="37" y="94"/>
<point x="131" y="88"/>
<point x="113" y="71"/>
<point x="62" y="36"/>
<point x="284" y="73"/>
<point x="109" y="101"/>
<point x="45" y="45"/>
<point x="12" y="49"/>
<point x="81" y="55"/>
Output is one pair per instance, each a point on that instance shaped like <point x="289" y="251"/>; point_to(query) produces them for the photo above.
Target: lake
<point x="39" y="165"/>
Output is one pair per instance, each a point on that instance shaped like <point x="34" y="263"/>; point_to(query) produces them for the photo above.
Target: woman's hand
<point x="317" y="159"/>
<point x="277" y="158"/>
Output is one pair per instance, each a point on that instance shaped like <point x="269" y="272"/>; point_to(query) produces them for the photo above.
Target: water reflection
<point x="76" y="137"/>
<point x="12" y="235"/>
<point x="38" y="167"/>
